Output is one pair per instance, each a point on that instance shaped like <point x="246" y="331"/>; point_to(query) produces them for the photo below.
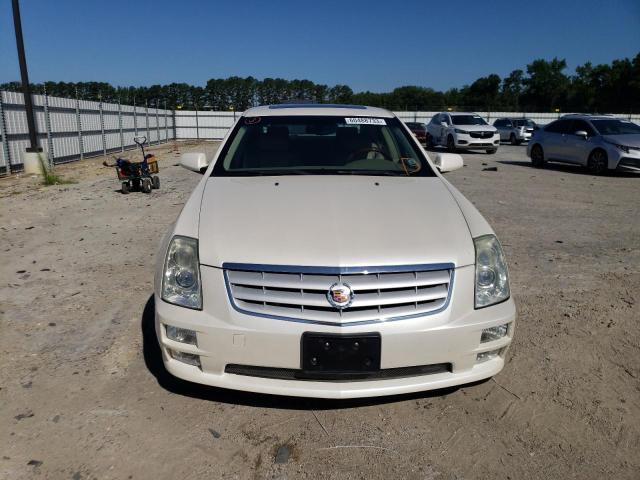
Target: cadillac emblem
<point x="340" y="295"/>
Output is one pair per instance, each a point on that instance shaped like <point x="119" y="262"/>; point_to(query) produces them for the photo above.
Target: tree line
<point x="542" y="87"/>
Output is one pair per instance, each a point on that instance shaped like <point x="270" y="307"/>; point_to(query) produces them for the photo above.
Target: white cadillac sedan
<point x="323" y="254"/>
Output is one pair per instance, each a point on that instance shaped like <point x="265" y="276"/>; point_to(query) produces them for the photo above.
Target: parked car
<point x="515" y="130"/>
<point x="300" y="265"/>
<point x="459" y="130"/>
<point x="599" y="142"/>
<point x="419" y="130"/>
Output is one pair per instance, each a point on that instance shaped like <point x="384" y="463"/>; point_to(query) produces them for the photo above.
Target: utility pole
<point x="31" y="159"/>
<point x="26" y="89"/>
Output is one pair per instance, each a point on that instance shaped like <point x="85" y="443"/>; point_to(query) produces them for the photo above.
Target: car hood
<point x="477" y="128"/>
<point x="333" y="221"/>
<point x="629" y="140"/>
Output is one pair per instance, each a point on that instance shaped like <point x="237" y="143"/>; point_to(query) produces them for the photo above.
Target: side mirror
<point x="447" y="162"/>
<point x="196" y="162"/>
<point x="444" y="124"/>
<point x="582" y="133"/>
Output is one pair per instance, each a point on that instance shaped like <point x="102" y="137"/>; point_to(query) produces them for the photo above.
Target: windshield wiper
<point x="386" y="173"/>
<point x="314" y="171"/>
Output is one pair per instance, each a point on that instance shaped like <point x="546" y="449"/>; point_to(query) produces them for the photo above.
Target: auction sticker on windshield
<point x="365" y="121"/>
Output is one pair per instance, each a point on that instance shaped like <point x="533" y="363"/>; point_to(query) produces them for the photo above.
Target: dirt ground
<point x="83" y="394"/>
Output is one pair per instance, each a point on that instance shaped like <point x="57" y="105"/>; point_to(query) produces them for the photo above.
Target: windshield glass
<point x="615" y="127"/>
<point x="317" y="145"/>
<point x="524" y="122"/>
<point x="467" y="120"/>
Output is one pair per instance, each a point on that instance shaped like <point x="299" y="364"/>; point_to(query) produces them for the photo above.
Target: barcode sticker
<point x="364" y="121"/>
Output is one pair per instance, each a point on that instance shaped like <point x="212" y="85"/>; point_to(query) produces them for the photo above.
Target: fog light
<point x="494" y="333"/>
<point x="183" y="357"/>
<point x="486" y="356"/>
<point x="182" y="335"/>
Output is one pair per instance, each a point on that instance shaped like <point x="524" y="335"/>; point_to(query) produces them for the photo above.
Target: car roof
<point x="317" y="109"/>
<point x="589" y="116"/>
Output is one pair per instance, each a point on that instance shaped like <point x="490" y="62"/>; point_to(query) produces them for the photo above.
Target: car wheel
<point x="491" y="151"/>
<point x="598" y="162"/>
<point x="451" y="145"/>
<point x="125" y="188"/>
<point x="537" y="157"/>
<point x="155" y="182"/>
<point x="146" y="185"/>
<point x="513" y="140"/>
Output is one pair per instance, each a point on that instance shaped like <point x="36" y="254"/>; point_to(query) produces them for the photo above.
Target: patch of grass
<point x="49" y="177"/>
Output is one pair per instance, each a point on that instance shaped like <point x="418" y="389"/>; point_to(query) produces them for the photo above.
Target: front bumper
<point x="626" y="161"/>
<point x="227" y="337"/>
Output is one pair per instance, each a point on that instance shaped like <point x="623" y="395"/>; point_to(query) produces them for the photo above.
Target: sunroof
<point x="315" y="105"/>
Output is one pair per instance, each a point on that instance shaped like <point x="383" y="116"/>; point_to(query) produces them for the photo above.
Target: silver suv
<point x="515" y="130"/>
<point x="598" y="142"/>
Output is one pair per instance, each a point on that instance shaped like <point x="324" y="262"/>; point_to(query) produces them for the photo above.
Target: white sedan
<point x="301" y="266"/>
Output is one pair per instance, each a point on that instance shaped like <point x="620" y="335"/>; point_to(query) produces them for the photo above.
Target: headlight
<point x="492" y="278"/>
<point x="181" y="276"/>
<point x="624" y="148"/>
<point x="457" y="130"/>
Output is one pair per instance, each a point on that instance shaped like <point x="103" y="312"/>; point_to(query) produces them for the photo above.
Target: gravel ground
<point x="84" y="395"/>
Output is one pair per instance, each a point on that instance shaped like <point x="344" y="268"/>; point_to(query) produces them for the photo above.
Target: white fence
<point x="539" y="118"/>
<point x="70" y="129"/>
<point x="192" y="124"/>
<point x="208" y="125"/>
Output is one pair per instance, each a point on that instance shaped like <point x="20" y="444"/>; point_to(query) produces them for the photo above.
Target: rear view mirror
<point x="447" y="162"/>
<point x="444" y="124"/>
<point x="196" y="162"/>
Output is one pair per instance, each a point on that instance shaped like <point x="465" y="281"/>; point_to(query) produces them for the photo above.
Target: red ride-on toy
<point x="138" y="175"/>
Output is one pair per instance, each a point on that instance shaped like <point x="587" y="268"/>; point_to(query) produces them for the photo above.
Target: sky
<point x="368" y="45"/>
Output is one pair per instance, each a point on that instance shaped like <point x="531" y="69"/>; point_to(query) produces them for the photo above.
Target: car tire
<point x="513" y="139"/>
<point x="451" y="144"/>
<point x="429" y="141"/>
<point x="537" y="157"/>
<point x="598" y="162"/>
<point x="125" y="188"/>
<point x="491" y="151"/>
<point x="146" y="185"/>
<point x="155" y="182"/>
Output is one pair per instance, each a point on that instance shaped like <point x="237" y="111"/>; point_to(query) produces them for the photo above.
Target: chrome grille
<point x="481" y="134"/>
<point x="380" y="293"/>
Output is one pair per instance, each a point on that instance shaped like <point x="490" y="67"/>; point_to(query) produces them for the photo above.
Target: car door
<point x="576" y="148"/>
<point x="553" y="139"/>
<point x="444" y="129"/>
<point x="437" y="127"/>
<point x="433" y="128"/>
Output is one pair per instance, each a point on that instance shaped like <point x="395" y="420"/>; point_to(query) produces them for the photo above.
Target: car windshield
<point x="416" y="126"/>
<point x="524" y="122"/>
<point x="320" y="145"/>
<point x="468" y="120"/>
<point x="615" y="127"/>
